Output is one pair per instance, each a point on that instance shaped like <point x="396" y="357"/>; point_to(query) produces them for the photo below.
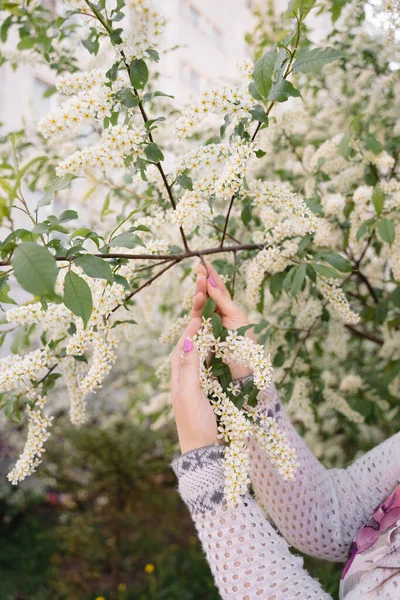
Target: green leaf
<point x="4" y="297"/>
<point x="302" y="7"/>
<point x="11" y="410"/>
<point x="127" y="240"/>
<point x="35" y="268"/>
<point x="57" y="184"/>
<point x="386" y="231"/>
<point x="153" y="152"/>
<point x="298" y="279"/>
<point x="263" y="70"/>
<point x="275" y="284"/>
<point x="246" y="213"/>
<point x="313" y="60"/>
<point x="337" y="261"/>
<point x="139" y="73"/>
<point x="282" y="90"/>
<point x="325" y="271"/>
<point x="94" y="266"/>
<point x="68" y="215"/>
<point x="344" y="148"/>
<point x="26" y="43"/>
<point x="252" y="398"/>
<point x="185" y="181"/>
<point x="5" y="27"/>
<point x="378" y="199"/>
<point x="128" y="98"/>
<point x="260" y="153"/>
<point x="77" y="296"/>
<point x="259" y="114"/>
<point x="372" y="144"/>
<point x="217" y="325"/>
<point x="209" y="309"/>
<point x="52" y="89"/>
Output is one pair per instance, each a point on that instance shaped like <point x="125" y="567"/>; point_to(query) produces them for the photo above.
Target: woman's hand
<point x="231" y="315"/>
<point x="195" y="419"/>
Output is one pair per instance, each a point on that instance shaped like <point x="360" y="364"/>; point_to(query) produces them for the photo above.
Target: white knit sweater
<point x="319" y="513"/>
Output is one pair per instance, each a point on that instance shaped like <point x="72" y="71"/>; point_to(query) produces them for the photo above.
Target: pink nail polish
<point x="212" y="281"/>
<point x="187" y="345"/>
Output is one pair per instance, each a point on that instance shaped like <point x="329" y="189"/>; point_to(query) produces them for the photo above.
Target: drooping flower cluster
<point x="223" y="185"/>
<point x="144" y="28"/>
<point x="17" y="371"/>
<point x="30" y="459"/>
<point x="119" y="142"/>
<point x="235" y="425"/>
<point x="233" y="102"/>
<point x="91" y="101"/>
<point x="337" y="300"/>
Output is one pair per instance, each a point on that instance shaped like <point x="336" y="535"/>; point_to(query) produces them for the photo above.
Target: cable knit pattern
<point x="319" y="513"/>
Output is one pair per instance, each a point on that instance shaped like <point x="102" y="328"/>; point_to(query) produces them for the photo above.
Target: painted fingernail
<point x="187" y="345"/>
<point x="212" y="281"/>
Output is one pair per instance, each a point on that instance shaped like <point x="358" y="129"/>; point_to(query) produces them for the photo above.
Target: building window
<point x="204" y="25"/>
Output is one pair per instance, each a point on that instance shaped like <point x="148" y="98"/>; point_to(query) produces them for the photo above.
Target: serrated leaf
<point x="127" y="240"/>
<point x="263" y="70"/>
<point x="282" y="90"/>
<point x="313" y="60"/>
<point x="337" y="261"/>
<point x="246" y="213"/>
<point x="67" y="215"/>
<point x="94" y="266"/>
<point x="216" y="325"/>
<point x="35" y="268"/>
<point x="185" y="181"/>
<point x="78" y="296"/>
<point x="378" y="199"/>
<point x="139" y="73"/>
<point x="298" y="279"/>
<point x="153" y="153"/>
<point x="57" y="184"/>
<point x="344" y="148"/>
<point x="325" y="271"/>
<point x="209" y="309"/>
<point x="258" y="113"/>
<point x="386" y="231"/>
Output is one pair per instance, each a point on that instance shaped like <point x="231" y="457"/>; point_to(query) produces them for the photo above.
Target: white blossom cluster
<point x="119" y="142"/>
<point x="268" y="261"/>
<point x="337" y="300"/>
<point x="299" y="407"/>
<point x="194" y="203"/>
<point x="143" y="28"/>
<point x="17" y="371"/>
<point x="92" y="101"/>
<point x="235" y="425"/>
<point x="232" y="102"/>
<point x="30" y="459"/>
<point x="339" y="403"/>
<point x="170" y="335"/>
<point x="287" y="203"/>
<point x="307" y="310"/>
<point x="74" y="371"/>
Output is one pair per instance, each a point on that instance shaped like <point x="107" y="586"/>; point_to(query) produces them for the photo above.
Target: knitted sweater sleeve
<point x="321" y="510"/>
<point x="248" y="558"/>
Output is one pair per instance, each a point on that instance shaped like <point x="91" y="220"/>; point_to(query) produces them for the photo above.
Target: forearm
<point x="321" y="510"/>
<point x="248" y="559"/>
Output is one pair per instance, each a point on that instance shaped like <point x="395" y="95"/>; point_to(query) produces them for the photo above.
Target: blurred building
<point x="204" y="40"/>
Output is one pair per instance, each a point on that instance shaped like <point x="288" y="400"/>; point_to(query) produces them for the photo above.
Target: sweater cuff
<point x="201" y="478"/>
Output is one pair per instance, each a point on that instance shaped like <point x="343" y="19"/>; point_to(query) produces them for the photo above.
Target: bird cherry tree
<point x="297" y="207"/>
